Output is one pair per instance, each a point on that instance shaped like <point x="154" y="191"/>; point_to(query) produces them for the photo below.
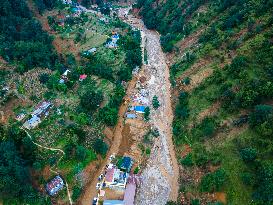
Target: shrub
<point x="136" y="170"/>
<point x="248" y="154"/>
<point x="76" y="193"/>
<point x="247" y="178"/>
<point x="213" y="181"/>
<point x="195" y="202"/>
<point x="206" y="128"/>
<point x="187" y="161"/>
<point x="148" y="151"/>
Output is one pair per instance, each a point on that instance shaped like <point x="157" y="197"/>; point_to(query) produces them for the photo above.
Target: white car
<point x="98" y="186"/>
<point x="100" y="177"/>
<point x="112" y="156"/>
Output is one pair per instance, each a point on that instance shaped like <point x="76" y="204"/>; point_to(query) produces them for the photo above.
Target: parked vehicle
<point x="95" y="201"/>
<point x="98" y="186"/>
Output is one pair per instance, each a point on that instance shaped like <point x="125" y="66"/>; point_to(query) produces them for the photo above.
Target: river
<point x="160" y="177"/>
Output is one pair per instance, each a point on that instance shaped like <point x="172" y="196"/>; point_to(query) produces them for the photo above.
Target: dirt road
<point x="90" y="190"/>
<point x="160" y="177"/>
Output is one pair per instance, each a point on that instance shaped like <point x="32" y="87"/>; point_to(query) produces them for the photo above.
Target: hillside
<point x="221" y="61"/>
<point x="64" y="71"/>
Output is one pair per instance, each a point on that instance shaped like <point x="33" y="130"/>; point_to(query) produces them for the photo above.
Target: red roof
<point x="82" y="77"/>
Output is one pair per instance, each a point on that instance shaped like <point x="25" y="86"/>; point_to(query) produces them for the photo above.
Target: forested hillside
<point x="22" y="39"/>
<point x="222" y="74"/>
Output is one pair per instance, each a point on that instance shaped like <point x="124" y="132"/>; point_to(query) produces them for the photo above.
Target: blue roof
<point x="115" y="36"/>
<point x="127" y="163"/>
<point x="139" y="108"/>
<point x="113" y="202"/>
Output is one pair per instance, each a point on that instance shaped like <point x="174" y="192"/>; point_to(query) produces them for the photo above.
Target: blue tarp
<point x="139" y="108"/>
<point x="113" y="202"/>
<point x="131" y="116"/>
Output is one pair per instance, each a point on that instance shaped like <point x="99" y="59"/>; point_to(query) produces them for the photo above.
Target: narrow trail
<point x="51" y="168"/>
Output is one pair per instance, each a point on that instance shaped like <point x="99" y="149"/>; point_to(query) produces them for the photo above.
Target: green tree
<point x="195" y="202"/>
<point x="147" y="113"/>
<point x="91" y="100"/>
<point x="186" y="81"/>
<point x="248" y="154"/>
<point x="86" y="3"/>
<point x="261" y="114"/>
<point x="81" y="153"/>
<point x="187" y="161"/>
<point x="171" y="203"/>
<point x="14" y="178"/>
<point x="76" y="193"/>
<point x="155" y="102"/>
<point x="213" y="181"/>
<point x="82" y="118"/>
<point x="43" y="78"/>
<point x="100" y="147"/>
<point x="109" y="115"/>
<point x="264" y="184"/>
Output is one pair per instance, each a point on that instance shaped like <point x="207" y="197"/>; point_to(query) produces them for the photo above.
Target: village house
<point x="114" y="40"/>
<point x="89" y="52"/>
<point x="130" y="116"/>
<point x="60" y="20"/>
<point x="115" y="178"/>
<point x="55" y="185"/>
<point x="41" y="110"/>
<point x="64" y="77"/>
<point x="82" y="77"/>
<point x="76" y="11"/>
<point x="32" y="122"/>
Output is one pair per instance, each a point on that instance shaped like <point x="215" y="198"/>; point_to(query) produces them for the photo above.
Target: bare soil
<point x="62" y="46"/>
<point x="90" y="189"/>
